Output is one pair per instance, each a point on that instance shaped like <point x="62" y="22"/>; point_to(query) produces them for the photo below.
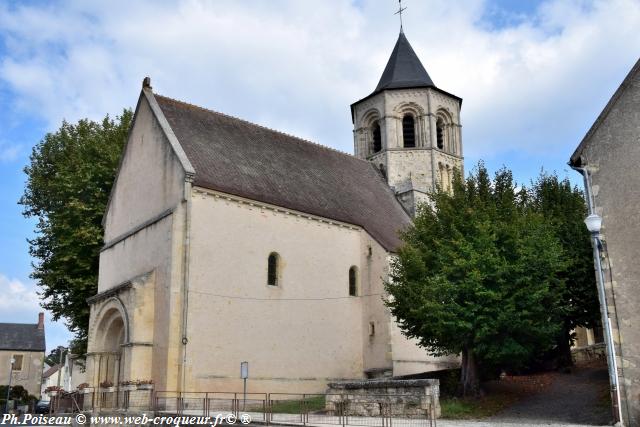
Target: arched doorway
<point x="111" y="334"/>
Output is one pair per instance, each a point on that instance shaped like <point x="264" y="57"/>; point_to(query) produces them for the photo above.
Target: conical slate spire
<point x="404" y="69"/>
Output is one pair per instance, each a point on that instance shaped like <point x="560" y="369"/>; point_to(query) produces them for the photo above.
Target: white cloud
<point x="19" y="303"/>
<point x="297" y="66"/>
<point x="533" y="87"/>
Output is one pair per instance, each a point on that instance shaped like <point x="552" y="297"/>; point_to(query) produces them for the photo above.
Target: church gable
<point x="243" y="159"/>
<point x="150" y="176"/>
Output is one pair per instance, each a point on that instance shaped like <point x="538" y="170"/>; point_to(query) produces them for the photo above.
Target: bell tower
<point x="409" y="128"/>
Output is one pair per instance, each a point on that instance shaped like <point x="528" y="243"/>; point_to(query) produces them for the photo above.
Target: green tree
<point x="53" y="358"/>
<point x="564" y="208"/>
<point x="476" y="277"/>
<point x="69" y="179"/>
<point x="17" y="393"/>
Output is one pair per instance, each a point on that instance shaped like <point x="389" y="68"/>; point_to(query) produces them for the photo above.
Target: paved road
<point x="572" y="399"/>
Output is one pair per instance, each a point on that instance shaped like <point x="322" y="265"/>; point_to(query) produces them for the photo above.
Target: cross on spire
<point x="399" y="12"/>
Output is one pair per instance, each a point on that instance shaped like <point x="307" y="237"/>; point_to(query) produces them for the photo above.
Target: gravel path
<point x="572" y="399"/>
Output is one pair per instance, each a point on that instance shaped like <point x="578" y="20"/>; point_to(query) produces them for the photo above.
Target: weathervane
<point x="399" y="12"/>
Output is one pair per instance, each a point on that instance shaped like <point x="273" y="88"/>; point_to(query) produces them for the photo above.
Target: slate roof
<point x="244" y="159"/>
<point x="403" y="69"/>
<point x="50" y="371"/>
<point x="21" y="337"/>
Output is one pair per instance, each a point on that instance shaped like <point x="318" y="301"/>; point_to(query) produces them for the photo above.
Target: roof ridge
<point x="284" y="170"/>
<point x="13" y="323"/>
<point x="297" y="138"/>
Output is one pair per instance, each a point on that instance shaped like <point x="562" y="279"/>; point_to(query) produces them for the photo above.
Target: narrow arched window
<point x="272" y="269"/>
<point x="408" y="131"/>
<point x="353" y="281"/>
<point x="377" y="138"/>
<point x="440" y="134"/>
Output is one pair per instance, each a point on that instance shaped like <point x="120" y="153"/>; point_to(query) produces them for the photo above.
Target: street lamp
<point x="594" y="224"/>
<point x="6" y="403"/>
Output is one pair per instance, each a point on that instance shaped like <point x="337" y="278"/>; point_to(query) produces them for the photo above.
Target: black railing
<point x="366" y="410"/>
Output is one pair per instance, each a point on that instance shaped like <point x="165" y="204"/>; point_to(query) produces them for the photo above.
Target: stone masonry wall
<point x="399" y="398"/>
<point x="611" y="155"/>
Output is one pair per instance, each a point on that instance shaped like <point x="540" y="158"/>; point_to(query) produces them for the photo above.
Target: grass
<point x="315" y="403"/>
<point x="482" y="407"/>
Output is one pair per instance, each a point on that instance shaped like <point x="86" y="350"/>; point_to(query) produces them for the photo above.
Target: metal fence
<point x="212" y="403"/>
<point x="90" y="400"/>
<point x="366" y="410"/>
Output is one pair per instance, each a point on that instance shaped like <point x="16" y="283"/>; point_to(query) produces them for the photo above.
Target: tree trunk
<point x="469" y="379"/>
<point x="564" y="349"/>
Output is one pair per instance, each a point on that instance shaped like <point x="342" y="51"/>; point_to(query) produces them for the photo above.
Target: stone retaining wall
<point x="400" y="397"/>
<point x="589" y="353"/>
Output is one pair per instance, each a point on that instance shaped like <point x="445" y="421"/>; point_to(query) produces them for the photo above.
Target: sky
<point x="533" y="75"/>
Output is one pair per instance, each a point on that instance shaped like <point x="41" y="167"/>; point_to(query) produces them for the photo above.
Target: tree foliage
<point x="17" y="393"/>
<point x="564" y="208"/>
<point x="54" y="357"/>
<point x="69" y="179"/>
<point x="477" y="276"/>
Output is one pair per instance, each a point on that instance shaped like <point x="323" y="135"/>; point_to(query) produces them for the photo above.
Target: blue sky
<point x="534" y="75"/>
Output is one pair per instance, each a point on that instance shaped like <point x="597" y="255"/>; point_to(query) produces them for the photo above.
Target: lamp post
<point x="244" y="374"/>
<point x="60" y="350"/>
<point x="57" y="401"/>
<point x="594" y="224"/>
<point x="6" y="403"/>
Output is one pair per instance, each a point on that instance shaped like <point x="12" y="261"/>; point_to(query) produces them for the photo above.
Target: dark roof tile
<point x="234" y="156"/>
<point x="403" y="69"/>
<point x="50" y="371"/>
<point x="21" y="337"/>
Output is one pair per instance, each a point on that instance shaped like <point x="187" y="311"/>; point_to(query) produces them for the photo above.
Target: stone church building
<point x="227" y="242"/>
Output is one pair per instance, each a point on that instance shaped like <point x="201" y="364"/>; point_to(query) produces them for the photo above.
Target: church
<point x="228" y="242"/>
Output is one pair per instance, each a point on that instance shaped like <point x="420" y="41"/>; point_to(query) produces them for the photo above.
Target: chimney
<point x="41" y="320"/>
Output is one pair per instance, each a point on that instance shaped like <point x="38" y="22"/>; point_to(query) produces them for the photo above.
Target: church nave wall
<point x="377" y="346"/>
<point x="296" y="336"/>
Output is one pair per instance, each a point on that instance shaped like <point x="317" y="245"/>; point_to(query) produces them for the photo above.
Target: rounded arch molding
<point x="410" y="113"/>
<point x="370" y="116"/>
<point x="110" y="312"/>
<point x="444" y="115"/>
<point x="446" y="135"/>
<point x="371" y="125"/>
<point x="412" y="108"/>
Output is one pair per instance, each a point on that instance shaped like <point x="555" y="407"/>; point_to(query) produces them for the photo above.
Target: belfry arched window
<point x="408" y="131"/>
<point x="440" y="134"/>
<point x="272" y="269"/>
<point x="377" y="138"/>
<point x="353" y="281"/>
